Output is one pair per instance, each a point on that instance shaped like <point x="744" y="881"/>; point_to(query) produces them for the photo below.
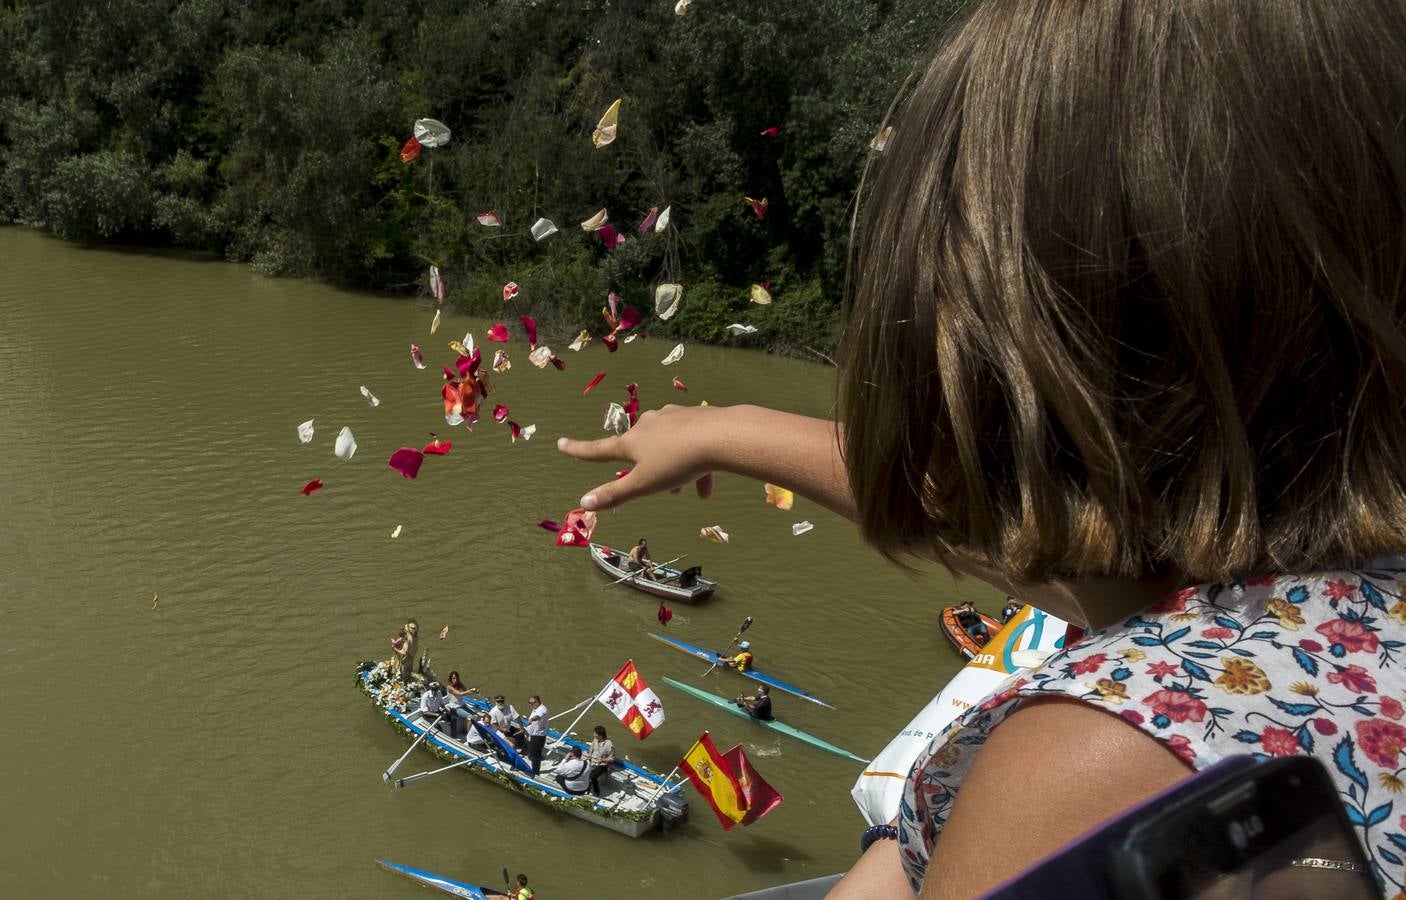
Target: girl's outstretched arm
<point x="670" y="447"/>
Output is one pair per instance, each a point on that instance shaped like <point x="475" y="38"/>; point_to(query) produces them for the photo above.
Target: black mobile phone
<point x="1273" y="831"/>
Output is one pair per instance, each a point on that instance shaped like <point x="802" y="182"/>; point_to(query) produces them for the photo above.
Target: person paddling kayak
<point x="758" y="706"/>
<point x="742" y="661"/>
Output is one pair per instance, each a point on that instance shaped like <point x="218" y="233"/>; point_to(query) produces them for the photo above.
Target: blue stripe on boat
<point x="710" y="656"/>
<point x="439" y="882"/>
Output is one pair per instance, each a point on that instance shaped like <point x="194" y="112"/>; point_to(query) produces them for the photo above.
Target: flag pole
<point x="663" y="787"/>
<point x="567" y="730"/>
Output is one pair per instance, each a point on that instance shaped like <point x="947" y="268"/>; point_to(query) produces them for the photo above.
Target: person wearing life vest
<point x="742" y="661"/>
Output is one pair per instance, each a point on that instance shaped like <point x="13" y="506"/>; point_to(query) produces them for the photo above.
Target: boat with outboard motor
<point x="634" y="800"/>
<point x="965" y="643"/>
<point x="789" y="730"/>
<point x="711" y="656"/>
<point x="686" y="586"/>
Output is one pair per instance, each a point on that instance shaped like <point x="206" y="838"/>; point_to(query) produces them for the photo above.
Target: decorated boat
<point x="965" y="643"/>
<point x="732" y="707"/>
<point x="635" y="800"/>
<point x="686" y="586"/>
<point x="711" y="656"/>
<point x="439" y="882"/>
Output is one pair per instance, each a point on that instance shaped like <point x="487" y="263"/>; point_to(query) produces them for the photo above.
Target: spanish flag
<point x="705" y="767"/>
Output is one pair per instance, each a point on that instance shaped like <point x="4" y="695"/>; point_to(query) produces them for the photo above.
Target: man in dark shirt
<point x="758" y="706"/>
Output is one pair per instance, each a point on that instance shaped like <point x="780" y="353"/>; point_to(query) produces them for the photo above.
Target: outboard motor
<point x="689" y="577"/>
<point x="673" y="810"/>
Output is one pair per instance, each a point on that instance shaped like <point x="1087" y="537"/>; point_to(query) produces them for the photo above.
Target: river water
<point x="216" y="745"/>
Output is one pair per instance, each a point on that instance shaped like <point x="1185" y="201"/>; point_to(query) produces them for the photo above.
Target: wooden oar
<point x="642" y="570"/>
<point x="746" y="623"/>
<point x="386" y="775"/>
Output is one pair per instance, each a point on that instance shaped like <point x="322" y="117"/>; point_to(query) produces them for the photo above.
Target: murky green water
<point x="216" y="745"/>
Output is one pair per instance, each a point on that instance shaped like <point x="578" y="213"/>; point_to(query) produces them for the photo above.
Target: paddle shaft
<point x="746" y="623"/>
<point x="386" y="775"/>
<point x="641" y="570"/>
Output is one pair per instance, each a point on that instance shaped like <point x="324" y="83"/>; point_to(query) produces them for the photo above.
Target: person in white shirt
<point x="503" y="717"/>
<point x="434" y="713"/>
<point x="536" y="732"/>
<point x="573" y="773"/>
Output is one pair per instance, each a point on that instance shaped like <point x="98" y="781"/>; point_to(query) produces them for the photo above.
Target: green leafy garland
<point x="368" y="686"/>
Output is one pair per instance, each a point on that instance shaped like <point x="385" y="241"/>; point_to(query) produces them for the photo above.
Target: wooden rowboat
<point x="711" y="656"/>
<point x="965" y="643"/>
<point x="687" y="586"/>
<point x="635" y="799"/>
<point x="439" y="882"/>
<point x="725" y="704"/>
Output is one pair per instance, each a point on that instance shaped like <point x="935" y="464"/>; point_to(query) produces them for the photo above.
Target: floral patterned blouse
<point x="1270" y="666"/>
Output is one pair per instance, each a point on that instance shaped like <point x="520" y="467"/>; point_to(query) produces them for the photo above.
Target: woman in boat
<point x="457" y="692"/>
<point x="1127" y="342"/>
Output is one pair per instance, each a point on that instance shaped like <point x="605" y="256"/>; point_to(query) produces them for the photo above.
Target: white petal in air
<point x="800" y="528"/>
<point x="527" y="432"/>
<point x="631" y="338"/>
<point x="543" y="228"/>
<point x="739" y="329"/>
<point x="346" y="445"/>
<point x="667" y="298"/>
<point x="469" y="344"/>
<point x="616" y="420"/>
<point x="305" y="432"/>
<point x="395" y="532"/>
<point x="715" y="534"/>
<point x="595" y="221"/>
<point x="674" y="356"/>
<point x="370" y="397"/>
<point x="541" y="357"/>
<point x="431" y="132"/>
<point x="681" y="7"/>
<point x="663" y="221"/>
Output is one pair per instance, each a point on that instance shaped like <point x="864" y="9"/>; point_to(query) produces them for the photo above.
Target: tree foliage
<point x="270" y="132"/>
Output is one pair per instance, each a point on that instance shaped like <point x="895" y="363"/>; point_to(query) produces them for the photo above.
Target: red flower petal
<point x="407" y="461"/>
<point x="416" y="356"/>
<point x="438" y="448"/>
<point x="770" y="131"/>
<point x="510" y="290"/>
<point x="561" y="366"/>
<point x="610" y="343"/>
<point x="500" y="413"/>
<point x="410" y="151"/>
<point x="680" y="386"/>
<point x="514" y="429"/>
<point x="549" y="525"/>
<point x="314" y="485"/>
<point x="464" y="365"/>
<point x="499" y="333"/>
<point x="622" y="473"/>
<point x="529" y="325"/>
<point x="594" y="381"/>
<point x="629" y="318"/>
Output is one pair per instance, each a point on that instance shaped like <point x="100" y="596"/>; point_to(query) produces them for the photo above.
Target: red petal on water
<point x="416" y="356"/>
<point x="610" y="343"/>
<point x="407" y="461"/>
<point x="561" y="366"/>
<point x="594" y="381"/>
<point x="500" y="413"/>
<point x="499" y="333"/>
<point x="438" y="448"/>
<point x="529" y="325"/>
<point x="629" y="318"/>
<point x="314" y="485"/>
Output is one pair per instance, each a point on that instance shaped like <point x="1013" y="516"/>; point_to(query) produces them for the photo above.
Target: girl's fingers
<point x="601" y="450"/>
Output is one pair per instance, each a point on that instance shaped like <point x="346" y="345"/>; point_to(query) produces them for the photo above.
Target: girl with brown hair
<point x="1127" y="340"/>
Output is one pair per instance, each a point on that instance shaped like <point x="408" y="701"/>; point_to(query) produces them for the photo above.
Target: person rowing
<point x="758" y="705"/>
<point x="640" y="560"/>
<point x="742" y="662"/>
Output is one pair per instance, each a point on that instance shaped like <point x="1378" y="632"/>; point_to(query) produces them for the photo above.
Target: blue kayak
<point x="439" y="882"/>
<point x="710" y="656"/>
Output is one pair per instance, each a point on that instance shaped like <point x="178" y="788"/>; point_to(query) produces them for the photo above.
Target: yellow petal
<point x="779" y="497"/>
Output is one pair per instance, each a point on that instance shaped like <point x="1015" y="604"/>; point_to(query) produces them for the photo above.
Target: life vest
<point x="743" y="660"/>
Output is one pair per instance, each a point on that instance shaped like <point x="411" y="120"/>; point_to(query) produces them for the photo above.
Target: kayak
<point x="687" y="586"/>
<point x="439" y="882"/>
<point x="710" y="656"/>
<point x="724" y="703"/>
<point x="965" y="643"/>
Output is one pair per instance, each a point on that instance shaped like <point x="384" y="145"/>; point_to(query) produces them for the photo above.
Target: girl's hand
<point x="666" y="449"/>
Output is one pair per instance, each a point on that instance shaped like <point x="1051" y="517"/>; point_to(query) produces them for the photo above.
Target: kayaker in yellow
<point x="742" y="661"/>
<point x="522" y="891"/>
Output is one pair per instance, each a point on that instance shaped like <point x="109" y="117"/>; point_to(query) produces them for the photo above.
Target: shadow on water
<point x="766" y="854"/>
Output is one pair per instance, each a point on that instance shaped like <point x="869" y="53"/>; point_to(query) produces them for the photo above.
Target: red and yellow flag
<point x="710" y="774"/>
<point x="759" y="796"/>
<point x="633" y="702"/>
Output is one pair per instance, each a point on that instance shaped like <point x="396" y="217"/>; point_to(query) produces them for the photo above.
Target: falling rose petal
<point x="590" y="386"/>
<point x="681" y="8"/>
<point x="498" y="333"/>
<point x="663" y="221"/>
<point x="577" y="529"/>
<point x="738" y="329"/>
<point x="610" y="343"/>
<point x="630" y="339"/>
<point x="305" y="431"/>
<point x="674" y="356"/>
<point x="370" y="397"/>
<point x="500" y="413"/>
<point x="510" y="290"/>
<point x="770" y="131"/>
<point x="680" y="386"/>
<point x="648" y="222"/>
<point x="667" y="298"/>
<point x="514" y="429"/>
<point x="800" y="528"/>
<point x="436" y="284"/>
<point x="881" y="140"/>
<point x="407" y="461"/>
<point x="621" y="474"/>
<point x="595" y="221"/>
<point x="528" y="431"/>
<point x="459" y="348"/>
<point x="395" y="532"/>
<point x="560" y="366"/>
<point x="444" y="632"/>
<point x="612" y="300"/>
<point x="607" y="127"/>
<point x="549" y="525"/>
<point x="543" y="228"/>
<point x="416" y="356"/>
<point x="410" y="151"/>
<point x="501" y="363"/>
<point x="582" y="340"/>
<point x="311" y="486"/>
<point x="434" y="325"/>
<point x="759" y="294"/>
<point x="758" y="206"/>
<point x="464" y="364"/>
<point x="610" y="237"/>
<point x="489" y="219"/>
<point x="437" y="447"/>
<point x="469" y="343"/>
<point x="540" y="357"/>
<point x="529" y="325"/>
<point x="629" y="318"/>
<point x="345" y="447"/>
<point x="615" y="419"/>
<point x="715" y="534"/>
<point x="475" y="359"/>
<point x="779" y="497"/>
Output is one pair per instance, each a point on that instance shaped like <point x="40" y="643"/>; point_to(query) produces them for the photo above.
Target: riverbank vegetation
<point x="271" y="133"/>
